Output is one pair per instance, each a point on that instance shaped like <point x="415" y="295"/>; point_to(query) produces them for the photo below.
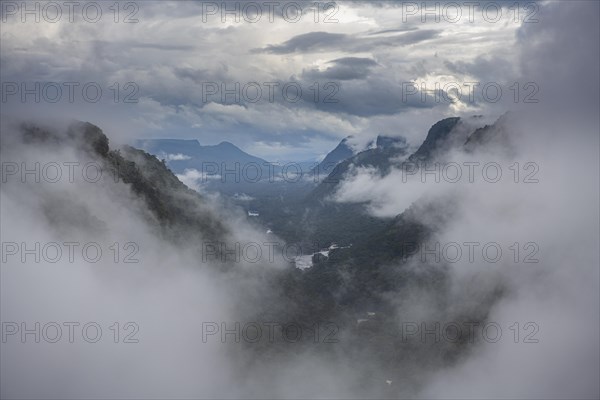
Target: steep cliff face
<point x="178" y="210"/>
<point x="342" y="152"/>
<point x="437" y="139"/>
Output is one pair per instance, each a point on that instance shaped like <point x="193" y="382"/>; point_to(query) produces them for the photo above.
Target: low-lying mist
<point x="542" y="216"/>
<point x="168" y="299"/>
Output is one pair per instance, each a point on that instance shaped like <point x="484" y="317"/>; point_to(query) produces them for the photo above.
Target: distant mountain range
<point x="302" y="211"/>
<point x="223" y="168"/>
<point x="181" y="154"/>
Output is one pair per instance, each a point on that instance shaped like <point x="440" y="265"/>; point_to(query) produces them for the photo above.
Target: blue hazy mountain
<point x="227" y="169"/>
<point x="342" y="152"/>
<point x="180" y="154"/>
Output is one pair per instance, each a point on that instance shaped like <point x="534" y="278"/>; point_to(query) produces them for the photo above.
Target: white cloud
<point x="177" y="157"/>
<point x="242" y="197"/>
<point x="193" y="178"/>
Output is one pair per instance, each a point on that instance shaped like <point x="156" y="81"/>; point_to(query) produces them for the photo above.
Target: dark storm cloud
<point x="489" y="68"/>
<point x="373" y="97"/>
<point x="564" y="62"/>
<point x="342" y="69"/>
<point x="324" y="41"/>
<point x="313" y="41"/>
<point x="350" y="82"/>
<point x="393" y="31"/>
<point x="131" y="44"/>
<point x="203" y="75"/>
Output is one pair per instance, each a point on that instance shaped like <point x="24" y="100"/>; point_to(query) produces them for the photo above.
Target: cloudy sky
<point x="358" y="64"/>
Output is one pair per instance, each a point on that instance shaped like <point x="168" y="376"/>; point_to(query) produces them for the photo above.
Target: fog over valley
<point x="247" y="200"/>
